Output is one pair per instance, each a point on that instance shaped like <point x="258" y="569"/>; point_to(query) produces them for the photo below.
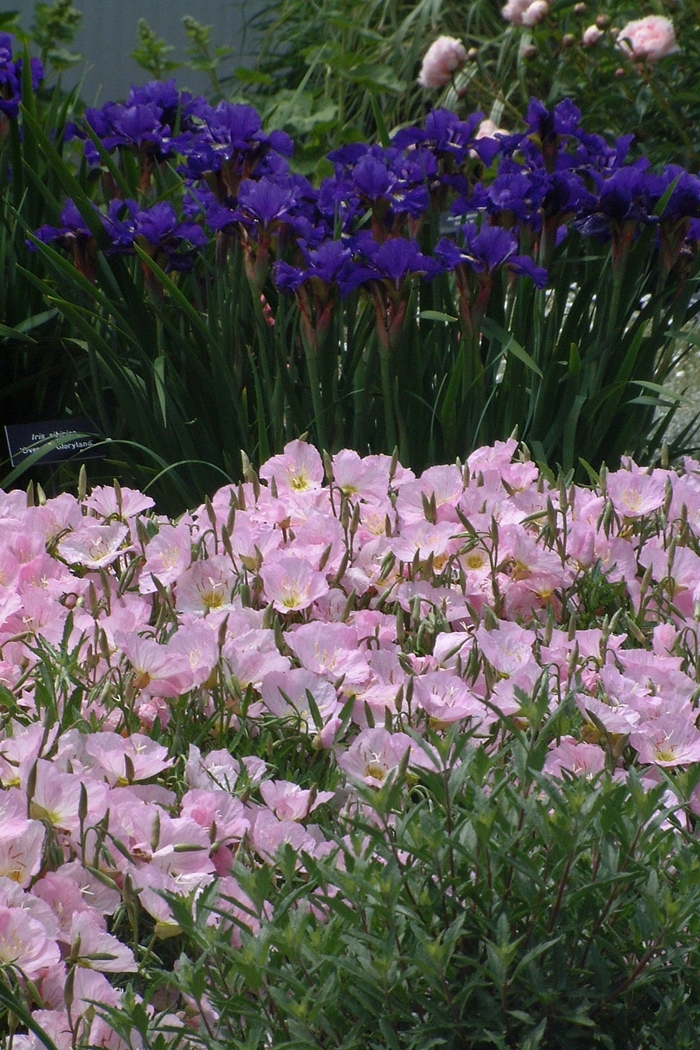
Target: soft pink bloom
<point x="329" y="649"/>
<point x="269" y="833"/>
<point x="206" y="586"/>
<point x="124" y="759"/>
<point x="650" y="38"/>
<point x="571" y="756"/>
<point x="534" y="13"/>
<point x="168" y="554"/>
<point x="235" y="908"/>
<point x="517" y="11"/>
<point x="286" y="695"/>
<point x="375" y="753"/>
<point x="24" y="944"/>
<point x="21" y="849"/>
<point x="508" y="647"/>
<point x="592" y="35"/>
<point x="57" y="796"/>
<point x="94" y="545"/>
<point x="222" y="815"/>
<point x="298" y="469"/>
<point x="669" y="740"/>
<point x="446" y="698"/>
<point x="219" y="769"/>
<point x="92" y="947"/>
<point x="290" y="802"/>
<point x="156" y="667"/>
<point x="444" y="56"/>
<point x="291" y="584"/>
<point x="109" y="501"/>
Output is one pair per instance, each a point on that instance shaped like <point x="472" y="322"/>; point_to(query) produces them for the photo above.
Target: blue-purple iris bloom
<point x="487" y="249"/>
<point x="11" y="77"/>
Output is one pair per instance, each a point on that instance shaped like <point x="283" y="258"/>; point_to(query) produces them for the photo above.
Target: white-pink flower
<point x="24" y="944"/>
<point x="591" y="35"/>
<point x="650" y="38"/>
<point x="444" y="56"/>
<point x="291" y="584"/>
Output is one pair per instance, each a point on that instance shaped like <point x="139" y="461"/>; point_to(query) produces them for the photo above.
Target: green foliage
<point x="342" y="55"/>
<point x="53" y="30"/>
<point x="151" y="53"/>
<point x="200" y="56"/>
<point x="480" y="906"/>
<point x="40" y="371"/>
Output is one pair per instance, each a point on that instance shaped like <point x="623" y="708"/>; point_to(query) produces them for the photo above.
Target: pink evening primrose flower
<point x="444" y="56"/>
<point x="291" y="584"/>
<point x="92" y="545"/>
<point x="24" y="944"/>
<point x="298" y="469"/>
<point x="375" y="753"/>
<point x="650" y="38"/>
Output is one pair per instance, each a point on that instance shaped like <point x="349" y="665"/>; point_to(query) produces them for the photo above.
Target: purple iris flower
<point x="487" y="249"/>
<point x="11" y="76"/>
<point x="330" y="263"/>
<point x="629" y="195"/>
<point x="448" y="136"/>
<point x="684" y="202"/>
<point x="73" y="228"/>
<point x="392" y="262"/>
<point x="230" y="140"/>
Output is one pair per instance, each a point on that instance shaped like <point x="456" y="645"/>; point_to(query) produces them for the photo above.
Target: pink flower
<point x="534" y="13"/>
<point x="592" y="35"/>
<point x="443" y="57"/>
<point x="93" y="947"/>
<point x="571" y="756"/>
<point x="290" y="802"/>
<point x="298" y="469"/>
<point x="525" y="12"/>
<point x="650" y="38"/>
<point x="23" y="943"/>
<point x="291" y="584"/>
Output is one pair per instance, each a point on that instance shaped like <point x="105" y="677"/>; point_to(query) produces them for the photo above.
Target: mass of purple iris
<point x="375" y="219"/>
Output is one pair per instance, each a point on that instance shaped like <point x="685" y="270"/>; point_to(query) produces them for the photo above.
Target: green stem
<point x="387" y="396"/>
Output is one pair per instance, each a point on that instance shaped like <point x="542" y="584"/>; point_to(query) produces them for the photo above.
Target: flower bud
<point x="580" y="9"/>
<point x="568" y="40"/>
<point x="591" y="36"/>
<point x="530" y="51"/>
<point x="602" y="21"/>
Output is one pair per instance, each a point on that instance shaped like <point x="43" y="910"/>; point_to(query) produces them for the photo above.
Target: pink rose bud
<point x="650" y="38"/>
<point x="602" y="21"/>
<point x="443" y="57"/>
<point x="591" y="36"/>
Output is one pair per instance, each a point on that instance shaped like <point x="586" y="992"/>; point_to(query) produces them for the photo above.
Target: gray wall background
<point x="108" y="34"/>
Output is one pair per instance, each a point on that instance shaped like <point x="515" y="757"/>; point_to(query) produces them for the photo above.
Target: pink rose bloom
<point x="592" y="35"/>
<point x="443" y="57"/>
<point x="650" y="38"/>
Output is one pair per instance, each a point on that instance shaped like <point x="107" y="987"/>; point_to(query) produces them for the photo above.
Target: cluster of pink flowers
<point x="358" y="605"/>
<point x="525" y="12"/>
